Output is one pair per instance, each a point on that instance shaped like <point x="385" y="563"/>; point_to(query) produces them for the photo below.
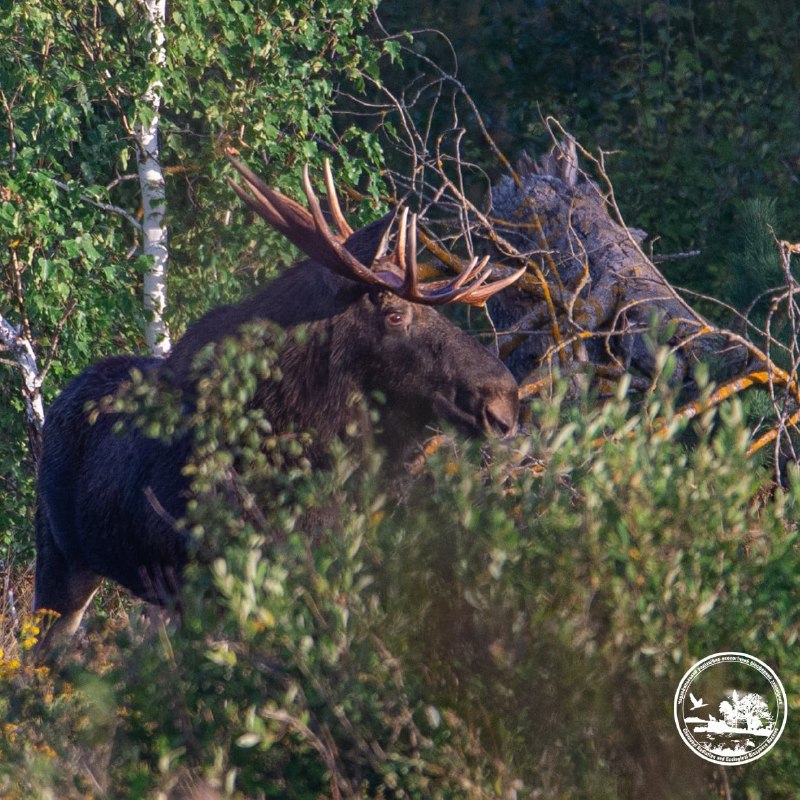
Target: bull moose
<point x="108" y="500"/>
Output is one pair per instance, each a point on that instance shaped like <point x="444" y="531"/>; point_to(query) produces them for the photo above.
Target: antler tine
<point x="333" y="201"/>
<point x="345" y="263"/>
<point x="410" y="287"/>
<point x="261" y="206"/>
<point x="383" y="245"/>
<point x="308" y="229"/>
<point x="278" y="210"/>
<point x="473" y="269"/>
<point x="400" y="250"/>
<point x="477" y="294"/>
<point x="469" y="287"/>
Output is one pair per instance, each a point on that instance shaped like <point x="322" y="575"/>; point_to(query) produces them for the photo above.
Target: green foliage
<point x="66" y="274"/>
<point x="562" y="609"/>
<point x="519" y="624"/>
<point x="72" y="77"/>
<point x="755" y="268"/>
<point x="757" y="288"/>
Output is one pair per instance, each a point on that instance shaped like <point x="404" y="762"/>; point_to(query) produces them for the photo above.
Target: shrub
<point x="515" y="621"/>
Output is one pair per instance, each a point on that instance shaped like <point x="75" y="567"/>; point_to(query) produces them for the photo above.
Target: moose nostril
<point x="500" y="416"/>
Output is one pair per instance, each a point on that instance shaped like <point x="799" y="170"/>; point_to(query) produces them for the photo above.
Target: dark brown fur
<point x="106" y="500"/>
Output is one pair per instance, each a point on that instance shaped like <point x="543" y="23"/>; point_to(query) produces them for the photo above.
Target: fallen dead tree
<point x="591" y="305"/>
<point x="593" y="301"/>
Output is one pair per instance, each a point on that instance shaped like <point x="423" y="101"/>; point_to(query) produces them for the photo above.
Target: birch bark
<point x="21" y="348"/>
<point x="151" y="180"/>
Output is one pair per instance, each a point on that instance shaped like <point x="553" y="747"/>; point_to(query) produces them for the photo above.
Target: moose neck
<point x="320" y="386"/>
<point x="321" y="373"/>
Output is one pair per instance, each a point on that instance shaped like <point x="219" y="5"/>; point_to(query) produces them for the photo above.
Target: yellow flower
<point x="46" y="750"/>
<point x="29" y="634"/>
<point x="9" y="667"/>
<point x="10" y="731"/>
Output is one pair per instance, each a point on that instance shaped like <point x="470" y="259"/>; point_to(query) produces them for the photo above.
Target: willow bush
<point x="515" y="619"/>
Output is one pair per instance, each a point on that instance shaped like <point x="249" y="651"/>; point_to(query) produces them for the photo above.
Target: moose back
<point x="107" y="500"/>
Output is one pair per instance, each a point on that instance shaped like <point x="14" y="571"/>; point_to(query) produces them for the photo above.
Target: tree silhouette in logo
<point x="749" y="711"/>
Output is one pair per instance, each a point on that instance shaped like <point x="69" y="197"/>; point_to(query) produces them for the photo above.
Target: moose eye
<point x="395" y="319"/>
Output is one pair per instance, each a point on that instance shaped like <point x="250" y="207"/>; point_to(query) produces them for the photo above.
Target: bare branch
<point x="121" y="212"/>
<point x="591" y="299"/>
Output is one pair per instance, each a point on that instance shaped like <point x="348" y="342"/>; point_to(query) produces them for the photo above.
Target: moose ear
<point x="369" y="242"/>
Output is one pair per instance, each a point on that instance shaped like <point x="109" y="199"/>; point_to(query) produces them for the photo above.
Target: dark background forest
<point x="695" y="104"/>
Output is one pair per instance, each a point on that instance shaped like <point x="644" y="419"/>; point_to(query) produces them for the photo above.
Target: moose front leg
<point x="60" y="587"/>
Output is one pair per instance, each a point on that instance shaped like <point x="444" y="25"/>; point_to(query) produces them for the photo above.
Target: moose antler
<point x="309" y="231"/>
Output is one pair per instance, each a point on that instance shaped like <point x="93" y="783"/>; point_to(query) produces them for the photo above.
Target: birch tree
<point x="151" y="180"/>
<point x="23" y="356"/>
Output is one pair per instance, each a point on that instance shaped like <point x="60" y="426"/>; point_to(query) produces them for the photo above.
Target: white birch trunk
<point x="151" y="180"/>
<point x="21" y="349"/>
